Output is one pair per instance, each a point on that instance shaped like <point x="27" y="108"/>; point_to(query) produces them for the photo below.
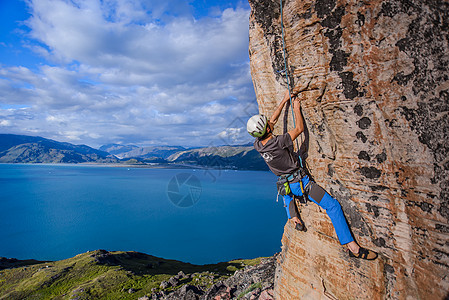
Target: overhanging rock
<point x="375" y="83"/>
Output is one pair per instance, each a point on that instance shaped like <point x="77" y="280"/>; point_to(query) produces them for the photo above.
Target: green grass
<point x="247" y="262"/>
<point x="249" y="289"/>
<point x="108" y="275"/>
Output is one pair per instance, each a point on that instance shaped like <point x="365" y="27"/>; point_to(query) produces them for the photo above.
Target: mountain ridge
<point x="36" y="149"/>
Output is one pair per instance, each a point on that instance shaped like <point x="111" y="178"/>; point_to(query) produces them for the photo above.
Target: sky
<point x="142" y="72"/>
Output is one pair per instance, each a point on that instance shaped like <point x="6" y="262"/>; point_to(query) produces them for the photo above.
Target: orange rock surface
<point x="374" y="80"/>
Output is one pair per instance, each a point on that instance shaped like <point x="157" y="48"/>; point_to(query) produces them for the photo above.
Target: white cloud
<point x="230" y="133"/>
<point x="73" y="135"/>
<point x="5" y="123"/>
<point x="129" y="71"/>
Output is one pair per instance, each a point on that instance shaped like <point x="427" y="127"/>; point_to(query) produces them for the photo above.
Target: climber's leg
<point x="290" y="206"/>
<point x="292" y="209"/>
<point x="333" y="209"/>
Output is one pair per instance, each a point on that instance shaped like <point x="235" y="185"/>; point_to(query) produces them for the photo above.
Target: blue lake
<point x="52" y="212"/>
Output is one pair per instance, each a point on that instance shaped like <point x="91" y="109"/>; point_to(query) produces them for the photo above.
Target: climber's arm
<point x="274" y="118"/>
<point x="295" y="132"/>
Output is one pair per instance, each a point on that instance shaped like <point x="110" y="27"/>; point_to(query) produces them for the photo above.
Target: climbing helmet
<point x="257" y="125"/>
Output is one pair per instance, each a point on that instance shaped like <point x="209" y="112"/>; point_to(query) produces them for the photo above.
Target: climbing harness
<point x="283" y="186"/>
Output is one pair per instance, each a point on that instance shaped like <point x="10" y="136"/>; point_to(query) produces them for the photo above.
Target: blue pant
<point x="332" y="207"/>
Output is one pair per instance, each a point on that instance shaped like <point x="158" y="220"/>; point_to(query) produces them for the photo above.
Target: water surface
<point x="52" y="212"/>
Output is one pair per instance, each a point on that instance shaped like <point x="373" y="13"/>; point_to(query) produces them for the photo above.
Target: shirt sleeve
<point x="285" y="141"/>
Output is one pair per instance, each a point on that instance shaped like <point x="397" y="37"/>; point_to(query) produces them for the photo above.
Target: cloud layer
<point x="131" y="72"/>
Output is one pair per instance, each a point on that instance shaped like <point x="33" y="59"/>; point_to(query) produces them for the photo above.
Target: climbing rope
<point x="288" y="82"/>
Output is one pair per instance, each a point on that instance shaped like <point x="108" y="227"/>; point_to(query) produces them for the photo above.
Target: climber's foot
<point x="364" y="254"/>
<point x="300" y="227"/>
<point x="299" y="224"/>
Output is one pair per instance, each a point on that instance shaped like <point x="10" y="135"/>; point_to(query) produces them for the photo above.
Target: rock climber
<point x="278" y="153"/>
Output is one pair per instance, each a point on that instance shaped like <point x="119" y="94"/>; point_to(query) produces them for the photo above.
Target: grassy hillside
<point x="110" y="275"/>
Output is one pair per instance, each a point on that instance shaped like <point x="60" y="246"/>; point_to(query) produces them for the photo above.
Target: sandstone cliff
<point x="375" y="83"/>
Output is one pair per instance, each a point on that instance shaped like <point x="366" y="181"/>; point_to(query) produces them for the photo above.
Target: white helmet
<point x="257" y="125"/>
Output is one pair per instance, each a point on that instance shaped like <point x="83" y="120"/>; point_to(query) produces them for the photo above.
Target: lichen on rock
<point x="374" y="82"/>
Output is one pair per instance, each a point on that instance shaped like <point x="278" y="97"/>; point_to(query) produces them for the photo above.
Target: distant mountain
<point x="117" y="149"/>
<point x="242" y="157"/>
<point x="131" y="151"/>
<point x="227" y="157"/>
<point x="34" y="149"/>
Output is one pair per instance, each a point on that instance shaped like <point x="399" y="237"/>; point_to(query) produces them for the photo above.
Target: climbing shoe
<point x="364" y="254"/>
<point x="300" y="227"/>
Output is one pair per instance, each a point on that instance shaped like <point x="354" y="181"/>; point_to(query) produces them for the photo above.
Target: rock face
<point x="252" y="282"/>
<point x="374" y="80"/>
